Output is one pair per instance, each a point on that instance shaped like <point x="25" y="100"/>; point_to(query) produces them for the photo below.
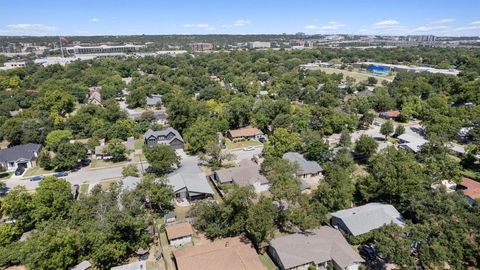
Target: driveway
<point x="240" y="154"/>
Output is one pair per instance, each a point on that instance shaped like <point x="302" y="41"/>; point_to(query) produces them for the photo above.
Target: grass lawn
<point x="36" y="171"/>
<point x="267" y="262"/>
<point x="84" y="188"/>
<point x="139" y="157"/>
<point x="357" y="75"/>
<point x="100" y="163"/>
<point x="181" y="212"/>
<point x="138" y="144"/>
<point x="241" y="144"/>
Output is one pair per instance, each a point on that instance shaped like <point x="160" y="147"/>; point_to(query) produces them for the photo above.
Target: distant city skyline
<point x="122" y="17"/>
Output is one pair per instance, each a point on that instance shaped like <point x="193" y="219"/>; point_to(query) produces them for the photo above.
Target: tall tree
<point x="162" y="158"/>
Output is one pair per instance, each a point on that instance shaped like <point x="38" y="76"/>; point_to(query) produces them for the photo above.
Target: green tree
<point x="57" y="137"/>
<point x="366" y="120"/>
<point x="68" y="156"/>
<point x="130" y="170"/>
<point x="116" y="149"/>
<point x="161" y="158"/>
<point x="261" y="221"/>
<point x="52" y="199"/>
<point x="345" y="138"/>
<point x="372" y="81"/>
<point x="155" y="193"/>
<point x="18" y="205"/>
<point x="283" y="141"/>
<point x="214" y="155"/>
<point x="365" y="147"/>
<point x="399" y="130"/>
<point x="386" y="129"/>
<point x="201" y="133"/>
<point x="45" y="161"/>
<point x="318" y="151"/>
<point x="335" y="192"/>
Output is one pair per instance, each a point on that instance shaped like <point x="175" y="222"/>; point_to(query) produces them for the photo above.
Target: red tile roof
<point x="472" y="188"/>
<point x="247" y="131"/>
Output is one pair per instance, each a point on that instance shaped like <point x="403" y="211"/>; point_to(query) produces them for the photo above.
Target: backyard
<point x="241" y="144"/>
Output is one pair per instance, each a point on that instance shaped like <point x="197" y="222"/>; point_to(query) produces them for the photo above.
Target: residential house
<point x="154" y="101"/>
<point x="243" y="133"/>
<point x="130" y="182"/>
<point x="24" y="155"/>
<point x="160" y="116"/>
<point x="85" y="265"/>
<point x="391" y="115"/>
<point x="363" y="219"/>
<point x="169" y="217"/>
<point x="100" y="149"/>
<point x="413" y="143"/>
<point x="189" y="182"/>
<point x="233" y="253"/>
<point x="470" y="188"/>
<point x="317" y="247"/>
<point x="179" y="234"/>
<point x="94" y="95"/>
<point x="169" y="136"/>
<point x="309" y="171"/>
<point x="140" y="265"/>
<point x="247" y="174"/>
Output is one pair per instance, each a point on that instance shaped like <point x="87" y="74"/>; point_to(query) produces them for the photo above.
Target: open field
<point x="357" y="74"/>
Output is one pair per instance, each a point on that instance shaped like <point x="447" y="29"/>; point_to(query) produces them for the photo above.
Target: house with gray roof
<point x="189" y="182"/>
<point x="154" y="101"/>
<point x="168" y="136"/>
<point x="315" y="247"/>
<point x="85" y="265"/>
<point x="410" y="142"/>
<point x="247" y="174"/>
<point x="363" y="219"/>
<point x="24" y="155"/>
<point x="309" y="171"/>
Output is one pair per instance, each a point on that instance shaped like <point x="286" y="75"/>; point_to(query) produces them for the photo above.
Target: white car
<point x="249" y="148"/>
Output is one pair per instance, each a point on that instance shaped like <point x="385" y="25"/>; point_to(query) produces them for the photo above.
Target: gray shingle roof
<point x="362" y="219"/>
<point x="130" y="182"/>
<point x="191" y="177"/>
<point x="164" y="132"/>
<point x="306" y="167"/>
<point x="318" y="246"/>
<point x="82" y="266"/>
<point x="24" y="151"/>
<point x="247" y="174"/>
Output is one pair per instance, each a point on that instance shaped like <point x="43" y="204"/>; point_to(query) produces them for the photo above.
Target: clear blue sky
<point x="98" y="17"/>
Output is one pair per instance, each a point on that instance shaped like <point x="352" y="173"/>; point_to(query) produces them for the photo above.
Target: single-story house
<point x="189" y="182"/>
<point x="310" y="171"/>
<point x="169" y="217"/>
<point x="363" y="219"/>
<point x="413" y="143"/>
<point x="315" y="247"/>
<point x="247" y="174"/>
<point x="390" y="114"/>
<point x="99" y="150"/>
<point x="160" y="116"/>
<point x="470" y="188"/>
<point x="247" y="132"/>
<point x="24" y="155"/>
<point x="94" y="96"/>
<point x="85" y="265"/>
<point x="140" y="265"/>
<point x="179" y="234"/>
<point x="233" y="253"/>
<point x="154" y="101"/>
<point x="169" y="136"/>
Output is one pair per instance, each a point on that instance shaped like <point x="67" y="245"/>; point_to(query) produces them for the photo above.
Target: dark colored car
<point x="19" y="171"/>
<point x="86" y="162"/>
<point x="368" y="252"/>
<point x="36" y="178"/>
<point x="60" y="174"/>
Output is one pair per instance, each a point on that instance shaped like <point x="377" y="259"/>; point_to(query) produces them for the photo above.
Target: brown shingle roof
<point x="235" y="253"/>
<point x="247" y="131"/>
<point x="392" y="114"/>
<point x="179" y="230"/>
<point x="472" y="188"/>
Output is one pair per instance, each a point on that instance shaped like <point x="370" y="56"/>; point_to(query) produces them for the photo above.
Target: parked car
<point x="249" y="148"/>
<point x="60" y="174"/>
<point x="368" y="252"/>
<point x="19" y="171"/>
<point x="36" y="178"/>
<point x="86" y="162"/>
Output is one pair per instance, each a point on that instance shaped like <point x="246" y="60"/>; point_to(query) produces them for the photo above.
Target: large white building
<point x="11" y="65"/>
<point x="104" y="49"/>
<point x="259" y="44"/>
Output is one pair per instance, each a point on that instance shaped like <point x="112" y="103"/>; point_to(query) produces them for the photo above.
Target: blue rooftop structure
<point x="379" y="70"/>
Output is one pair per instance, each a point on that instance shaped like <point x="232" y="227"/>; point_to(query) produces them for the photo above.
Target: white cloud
<point x="474" y="23"/>
<point x="32" y="27"/>
<point x="443" y="21"/>
<point x="329" y="26"/>
<point x="197" y="25"/>
<point x="94" y="19"/>
<point x="386" y="24"/>
<point x="242" y="22"/>
<point x="238" y="23"/>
